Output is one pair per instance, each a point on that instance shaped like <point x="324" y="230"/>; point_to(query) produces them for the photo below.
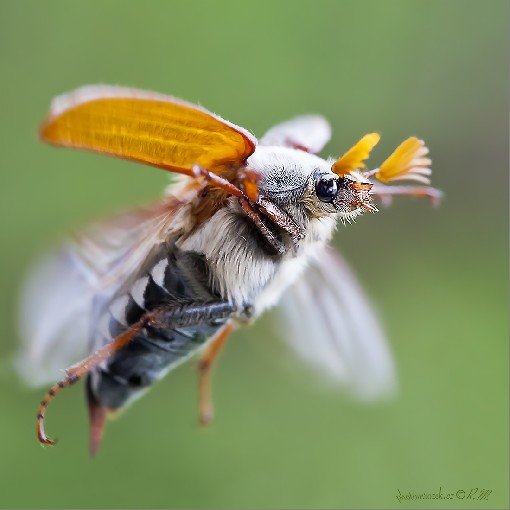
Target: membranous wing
<point x="309" y="133"/>
<point x="62" y="289"/>
<point x="329" y="322"/>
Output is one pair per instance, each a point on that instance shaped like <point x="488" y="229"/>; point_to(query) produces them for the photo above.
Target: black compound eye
<point x="326" y="189"/>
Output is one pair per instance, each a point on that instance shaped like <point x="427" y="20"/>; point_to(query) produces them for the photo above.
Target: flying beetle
<point x="244" y="227"/>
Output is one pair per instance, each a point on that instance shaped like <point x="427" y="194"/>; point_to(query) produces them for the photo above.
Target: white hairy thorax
<point x="242" y="270"/>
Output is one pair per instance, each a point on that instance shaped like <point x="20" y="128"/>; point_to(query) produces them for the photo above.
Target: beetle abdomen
<point x="171" y="280"/>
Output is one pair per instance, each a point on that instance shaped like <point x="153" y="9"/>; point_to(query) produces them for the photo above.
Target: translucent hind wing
<point x="329" y="322"/>
<point x="56" y="304"/>
<point x="59" y="295"/>
<point x="309" y="133"/>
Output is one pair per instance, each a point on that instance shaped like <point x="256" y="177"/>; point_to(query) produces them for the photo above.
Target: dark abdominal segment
<point x="175" y="282"/>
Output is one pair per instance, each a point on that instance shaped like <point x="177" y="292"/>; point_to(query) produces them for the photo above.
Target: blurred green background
<point x="438" y="277"/>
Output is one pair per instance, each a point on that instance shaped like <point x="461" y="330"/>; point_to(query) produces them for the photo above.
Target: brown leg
<point x="76" y="372"/>
<point x="282" y="219"/>
<point x="162" y="317"/>
<point x="205" y="405"/>
<point x="218" y="181"/>
<point x="262" y="204"/>
<point x="270" y="237"/>
<point x="386" y="193"/>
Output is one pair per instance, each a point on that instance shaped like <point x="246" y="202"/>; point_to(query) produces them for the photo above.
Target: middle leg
<point x="205" y="404"/>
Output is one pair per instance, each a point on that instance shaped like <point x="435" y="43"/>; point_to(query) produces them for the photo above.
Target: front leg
<point x="268" y="235"/>
<point x="205" y="404"/>
<point x="252" y="202"/>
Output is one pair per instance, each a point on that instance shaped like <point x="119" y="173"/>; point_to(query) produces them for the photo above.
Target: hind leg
<point x="162" y="318"/>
